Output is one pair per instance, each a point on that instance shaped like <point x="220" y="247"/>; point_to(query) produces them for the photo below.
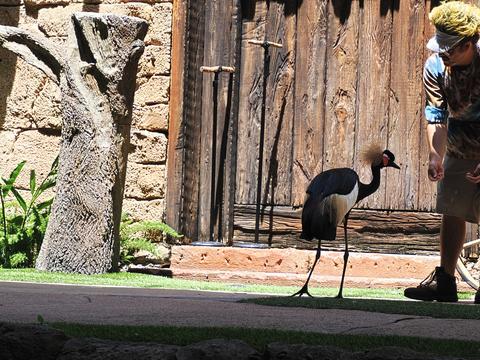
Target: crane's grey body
<point x="331" y="196"/>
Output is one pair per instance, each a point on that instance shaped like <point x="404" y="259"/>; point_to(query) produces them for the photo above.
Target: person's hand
<point x="435" y="168"/>
<point x="474" y="176"/>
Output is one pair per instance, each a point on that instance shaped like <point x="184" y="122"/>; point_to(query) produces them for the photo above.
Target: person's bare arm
<point x="437" y="142"/>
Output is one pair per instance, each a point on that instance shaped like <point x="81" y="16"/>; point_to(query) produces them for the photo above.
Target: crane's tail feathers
<point x="305" y="236"/>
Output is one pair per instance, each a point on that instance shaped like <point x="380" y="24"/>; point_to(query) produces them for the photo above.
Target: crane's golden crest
<point x="372" y="155"/>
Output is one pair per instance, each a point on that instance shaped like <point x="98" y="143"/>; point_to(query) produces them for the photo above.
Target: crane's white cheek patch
<point x="337" y="206"/>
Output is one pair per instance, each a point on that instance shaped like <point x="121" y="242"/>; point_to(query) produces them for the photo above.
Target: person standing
<point x="452" y="85"/>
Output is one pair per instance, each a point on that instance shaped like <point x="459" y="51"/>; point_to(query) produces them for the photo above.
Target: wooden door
<point x="349" y="74"/>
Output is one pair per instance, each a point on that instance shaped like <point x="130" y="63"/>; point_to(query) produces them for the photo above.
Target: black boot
<point x="438" y="286"/>
<point x="477" y="297"/>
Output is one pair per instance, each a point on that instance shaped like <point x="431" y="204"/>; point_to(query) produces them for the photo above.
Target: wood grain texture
<point x="250" y="102"/>
<point x="373" y="89"/>
<point x="406" y="115"/>
<point x="341" y="86"/>
<point x="218" y="51"/>
<point x="192" y="102"/>
<point x="277" y="158"/>
<point x="427" y="190"/>
<point x="310" y="81"/>
<point x="368" y="230"/>
<point x="175" y="134"/>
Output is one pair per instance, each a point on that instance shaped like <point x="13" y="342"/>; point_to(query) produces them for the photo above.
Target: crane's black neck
<point x="365" y="190"/>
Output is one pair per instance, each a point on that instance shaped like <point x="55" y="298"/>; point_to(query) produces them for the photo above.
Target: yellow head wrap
<point x="456" y="18"/>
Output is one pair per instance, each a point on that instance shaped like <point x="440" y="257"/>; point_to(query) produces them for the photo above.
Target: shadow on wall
<point x="91" y="8"/>
<point x="9" y="15"/>
<point x="341" y="8"/>
<point x="248" y="7"/>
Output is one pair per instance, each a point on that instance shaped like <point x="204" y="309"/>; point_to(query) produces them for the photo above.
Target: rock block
<point x="152" y="118"/>
<point x="145" y="182"/>
<point x="155" y="61"/>
<point x="152" y="91"/>
<point x="144" y="209"/>
<point x="148" y="147"/>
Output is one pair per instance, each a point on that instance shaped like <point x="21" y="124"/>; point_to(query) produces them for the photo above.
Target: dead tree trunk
<point x="96" y="75"/>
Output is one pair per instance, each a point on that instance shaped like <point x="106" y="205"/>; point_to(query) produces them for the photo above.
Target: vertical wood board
<point x="427" y="189"/>
<point x="175" y="136"/>
<point x="277" y="155"/>
<point x="309" y="96"/>
<point x="192" y="115"/>
<point x="373" y="90"/>
<point x="250" y="98"/>
<point x="218" y="51"/>
<point x="406" y="116"/>
<point x="341" y="87"/>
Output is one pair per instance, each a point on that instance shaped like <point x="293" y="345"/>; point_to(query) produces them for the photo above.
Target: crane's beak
<point x="392" y="164"/>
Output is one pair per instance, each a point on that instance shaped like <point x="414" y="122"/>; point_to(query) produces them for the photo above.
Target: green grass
<point x="258" y="338"/>
<point x="418" y="308"/>
<point x="161" y="282"/>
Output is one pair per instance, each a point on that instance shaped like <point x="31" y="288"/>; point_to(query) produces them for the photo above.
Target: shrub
<point x="23" y="223"/>
<point x="141" y="235"/>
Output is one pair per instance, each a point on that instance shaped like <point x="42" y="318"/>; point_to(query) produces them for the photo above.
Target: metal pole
<point x="213" y="206"/>
<point x="266" y="73"/>
<point x="213" y="156"/>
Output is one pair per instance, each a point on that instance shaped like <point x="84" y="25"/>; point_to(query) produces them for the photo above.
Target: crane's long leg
<point x="304" y="289"/>
<point x="345" y="256"/>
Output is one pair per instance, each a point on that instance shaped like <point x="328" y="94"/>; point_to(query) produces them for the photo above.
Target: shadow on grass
<point x="431" y="309"/>
<point x="260" y="338"/>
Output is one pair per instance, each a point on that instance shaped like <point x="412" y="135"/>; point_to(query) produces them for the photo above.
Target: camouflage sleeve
<point x="436" y="104"/>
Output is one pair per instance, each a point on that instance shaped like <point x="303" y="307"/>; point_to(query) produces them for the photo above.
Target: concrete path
<point x="22" y="302"/>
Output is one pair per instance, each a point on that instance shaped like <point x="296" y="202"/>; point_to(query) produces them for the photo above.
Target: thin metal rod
<point x="266" y="73"/>
<point x="265" y="43"/>
<point x="213" y="156"/>
<point x="215" y="69"/>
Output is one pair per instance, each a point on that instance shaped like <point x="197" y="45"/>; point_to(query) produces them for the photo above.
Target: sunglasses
<point x="450" y="51"/>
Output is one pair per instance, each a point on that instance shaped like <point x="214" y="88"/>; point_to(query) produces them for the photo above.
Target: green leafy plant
<point x="23" y="222"/>
<point x="141" y="235"/>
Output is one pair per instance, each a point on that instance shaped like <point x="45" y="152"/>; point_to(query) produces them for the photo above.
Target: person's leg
<point x="441" y="283"/>
<point x="452" y="236"/>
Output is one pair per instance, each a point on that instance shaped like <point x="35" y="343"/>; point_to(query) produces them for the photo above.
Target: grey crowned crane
<point x="331" y="196"/>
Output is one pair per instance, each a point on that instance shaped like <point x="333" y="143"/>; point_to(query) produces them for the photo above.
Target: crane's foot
<point x="302" y="291"/>
<point x="339" y="296"/>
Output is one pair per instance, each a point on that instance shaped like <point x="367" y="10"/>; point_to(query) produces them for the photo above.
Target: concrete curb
<point x="291" y="266"/>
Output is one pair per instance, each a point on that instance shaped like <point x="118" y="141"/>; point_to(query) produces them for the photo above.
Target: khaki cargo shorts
<point x="456" y="196"/>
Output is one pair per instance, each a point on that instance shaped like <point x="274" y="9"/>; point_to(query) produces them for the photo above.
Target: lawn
<point x="387" y="306"/>
<point x="378" y="300"/>
<point x="259" y="338"/>
<point x="161" y="282"/>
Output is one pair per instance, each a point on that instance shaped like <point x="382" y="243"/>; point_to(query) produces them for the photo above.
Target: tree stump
<point x="96" y="73"/>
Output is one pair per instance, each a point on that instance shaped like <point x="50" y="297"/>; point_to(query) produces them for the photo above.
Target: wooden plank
<point x="341" y="84"/>
<point x="427" y="189"/>
<point x="250" y="100"/>
<point x="277" y="155"/>
<point x="218" y="51"/>
<point x="375" y="44"/>
<point x="231" y="150"/>
<point x="309" y="96"/>
<point x="398" y="232"/>
<point x="192" y="119"/>
<point x="406" y="115"/>
<point x="175" y="136"/>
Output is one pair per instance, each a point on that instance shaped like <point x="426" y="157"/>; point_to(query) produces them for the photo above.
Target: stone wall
<point x="30" y="114"/>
